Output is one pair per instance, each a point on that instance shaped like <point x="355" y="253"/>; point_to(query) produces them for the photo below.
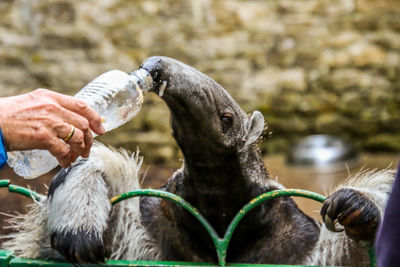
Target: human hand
<point x="42" y="119"/>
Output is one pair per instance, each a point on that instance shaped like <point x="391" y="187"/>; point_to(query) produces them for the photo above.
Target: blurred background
<point x="310" y="66"/>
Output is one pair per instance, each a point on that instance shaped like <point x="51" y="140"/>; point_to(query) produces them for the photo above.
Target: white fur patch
<point x="80" y="203"/>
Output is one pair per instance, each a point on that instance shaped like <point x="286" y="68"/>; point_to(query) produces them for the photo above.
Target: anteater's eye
<point x="227" y="119"/>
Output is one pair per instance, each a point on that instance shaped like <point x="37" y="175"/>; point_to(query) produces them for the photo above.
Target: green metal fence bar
<point x="371" y="254"/>
<point x="21" y="190"/>
<point x="5" y="257"/>
<point x="4" y="183"/>
<point x="221" y="244"/>
<point x="180" y="201"/>
<point x="259" y="200"/>
<point x="8" y="260"/>
<point x="24" y="191"/>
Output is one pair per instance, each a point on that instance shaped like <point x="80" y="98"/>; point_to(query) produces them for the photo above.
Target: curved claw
<point x="331" y="225"/>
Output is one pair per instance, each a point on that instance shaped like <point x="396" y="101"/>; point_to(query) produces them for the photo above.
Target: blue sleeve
<point x="3" y="152"/>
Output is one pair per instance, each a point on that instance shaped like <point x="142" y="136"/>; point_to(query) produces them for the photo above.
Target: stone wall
<point x="311" y="66"/>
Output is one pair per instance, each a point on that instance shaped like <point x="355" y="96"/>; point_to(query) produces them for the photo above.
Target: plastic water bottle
<point x="115" y="95"/>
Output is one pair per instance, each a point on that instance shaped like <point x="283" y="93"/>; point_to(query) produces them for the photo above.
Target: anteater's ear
<point x="254" y="127"/>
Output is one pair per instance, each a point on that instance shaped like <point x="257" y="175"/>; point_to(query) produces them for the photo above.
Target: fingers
<point x="77" y="113"/>
<point x="66" y="153"/>
<point x="53" y="114"/>
<point x="83" y="138"/>
<point x="80" y="107"/>
<point x="86" y="120"/>
<point x="79" y="142"/>
<point x="60" y="150"/>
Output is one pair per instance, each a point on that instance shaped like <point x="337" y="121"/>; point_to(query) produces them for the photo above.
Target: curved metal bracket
<point x="221" y="244"/>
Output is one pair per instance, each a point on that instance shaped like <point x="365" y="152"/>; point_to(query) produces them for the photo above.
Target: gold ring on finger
<point x="71" y="133"/>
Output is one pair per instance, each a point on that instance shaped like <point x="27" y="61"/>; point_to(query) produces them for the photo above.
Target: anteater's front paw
<point x="79" y="246"/>
<point x="354" y="211"/>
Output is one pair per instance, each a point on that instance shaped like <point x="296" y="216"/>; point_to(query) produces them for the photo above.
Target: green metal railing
<point x="221" y="244"/>
<point x="21" y="190"/>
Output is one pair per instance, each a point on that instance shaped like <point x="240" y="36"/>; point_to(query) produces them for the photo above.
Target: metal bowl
<point x="323" y="152"/>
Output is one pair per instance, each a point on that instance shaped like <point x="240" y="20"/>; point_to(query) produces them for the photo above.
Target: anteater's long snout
<point x="154" y="65"/>
<point x="173" y="79"/>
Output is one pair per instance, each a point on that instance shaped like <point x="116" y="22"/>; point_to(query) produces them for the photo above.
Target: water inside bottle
<point x="111" y="102"/>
